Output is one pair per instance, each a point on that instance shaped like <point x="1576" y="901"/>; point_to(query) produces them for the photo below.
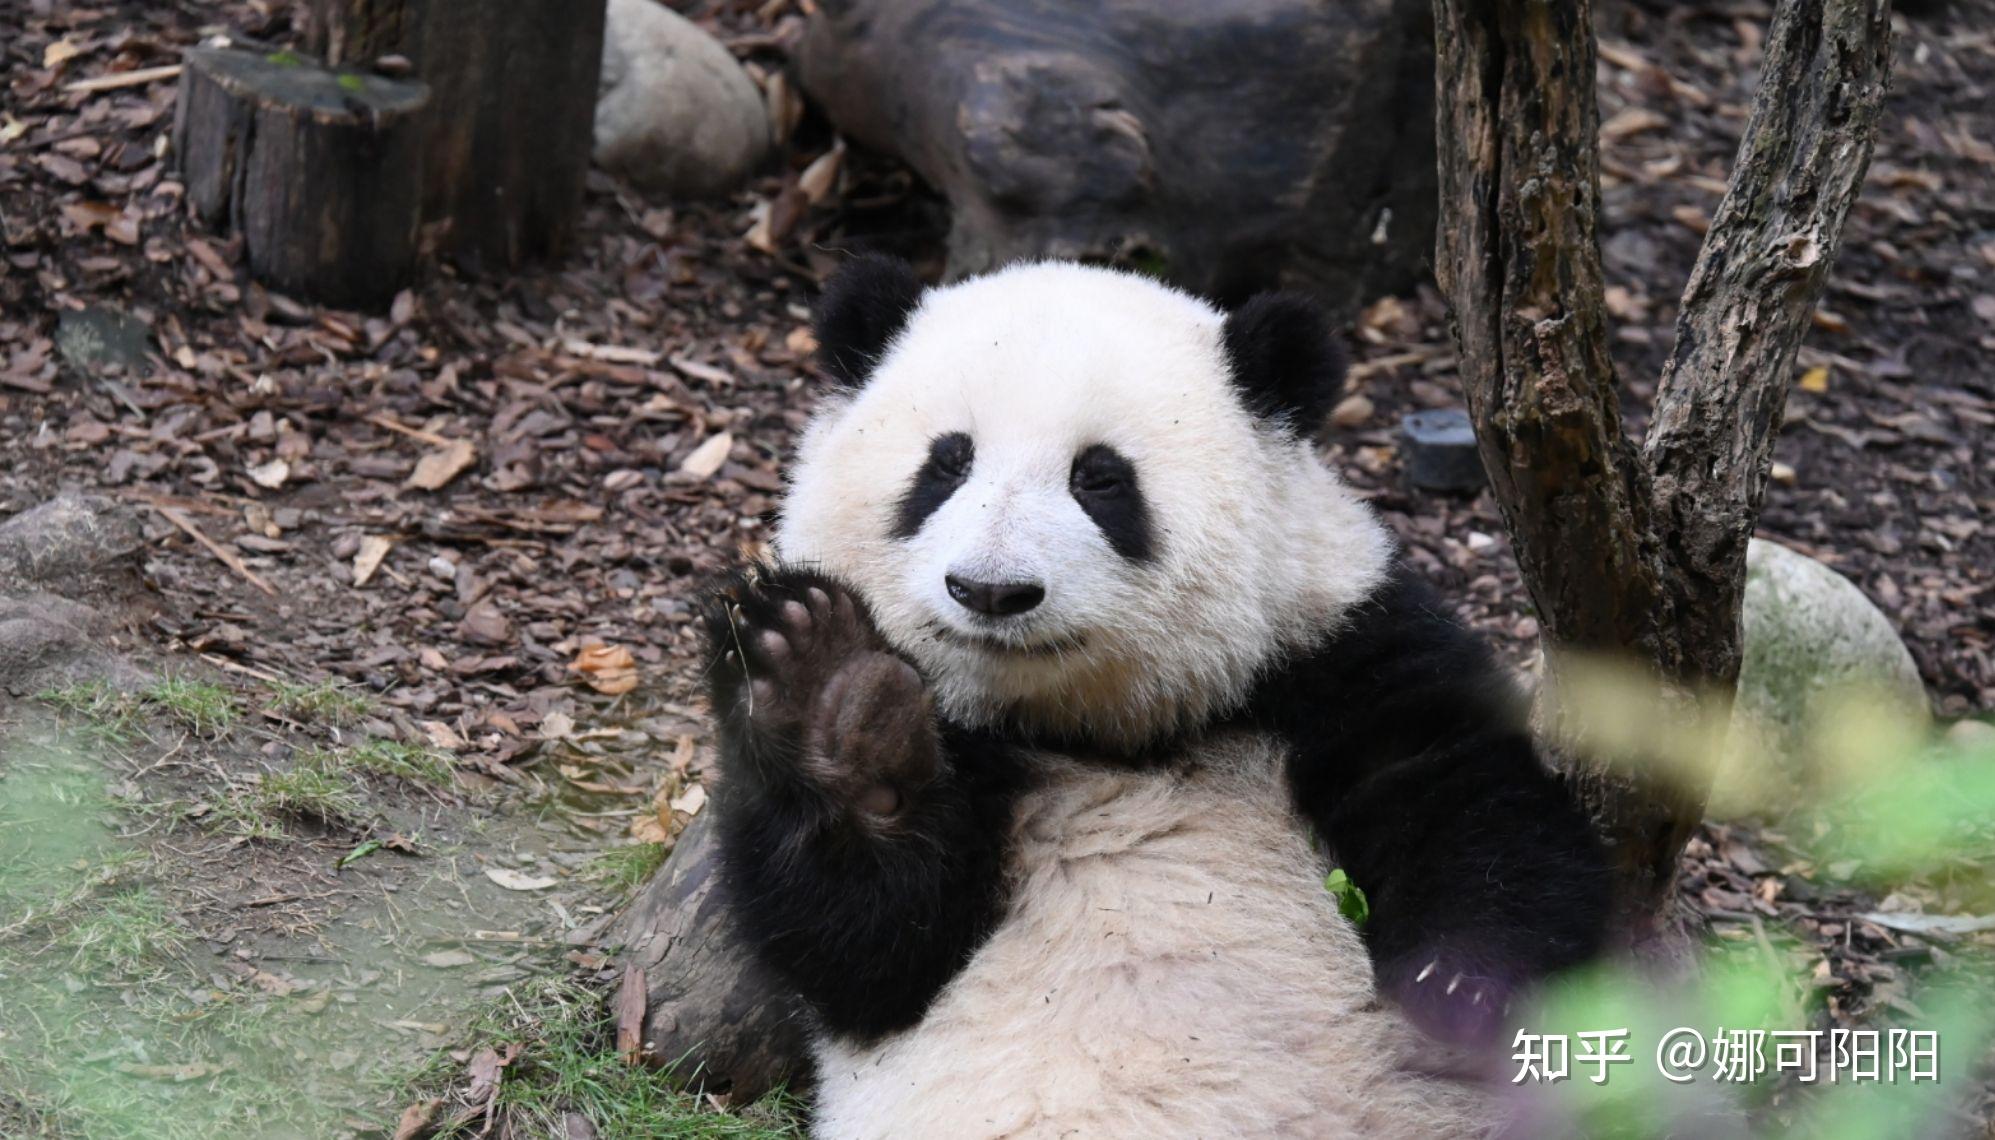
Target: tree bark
<point x="511" y="120"/>
<point x="317" y="170"/>
<point x="1640" y="553"/>
<point x="711" y="1012"/>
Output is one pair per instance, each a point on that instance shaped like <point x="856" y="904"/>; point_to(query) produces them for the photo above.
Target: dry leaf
<point x="416" y="1119"/>
<point x="449" y="959"/>
<point x="442" y="735"/>
<point x="60" y="52"/>
<point x="87" y="216"/>
<point x="692" y="801"/>
<point x="708" y="457"/>
<point x="515" y="881"/>
<point x="821" y="176"/>
<point x="557" y="725"/>
<point x="271" y="475"/>
<point x="1690" y="217"/>
<point x="373" y="548"/>
<point x="610" y="669"/>
<point x="1351" y="412"/>
<point x="1630" y="122"/>
<point x="435" y="470"/>
<point x="1816" y="379"/>
<point x="706" y="373"/>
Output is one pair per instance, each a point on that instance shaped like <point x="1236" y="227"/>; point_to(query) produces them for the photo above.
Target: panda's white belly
<point x="1172" y="967"/>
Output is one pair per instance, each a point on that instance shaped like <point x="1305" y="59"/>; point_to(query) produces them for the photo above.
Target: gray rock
<point x="1227" y="145"/>
<point x="1440" y="452"/>
<point x="101" y="338"/>
<point x="70" y="547"/>
<point x="675" y="113"/>
<point x="1812" y="641"/>
<point x="68" y="538"/>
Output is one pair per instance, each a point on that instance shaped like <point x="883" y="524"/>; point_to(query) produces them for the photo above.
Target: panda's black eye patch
<point x="1104" y="483"/>
<point x="947" y="467"/>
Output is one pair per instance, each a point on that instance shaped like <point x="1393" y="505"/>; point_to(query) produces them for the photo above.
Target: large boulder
<point x="1813" y="643"/>
<point x="1231" y="145"/>
<point x="675" y="114"/>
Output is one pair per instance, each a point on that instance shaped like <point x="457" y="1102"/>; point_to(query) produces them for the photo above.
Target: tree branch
<point x="1519" y="262"/>
<point x="1637" y="553"/>
<point x="1750" y="299"/>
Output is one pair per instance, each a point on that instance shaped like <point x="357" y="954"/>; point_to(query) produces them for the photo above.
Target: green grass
<point x="129" y="934"/>
<point x="329" y="701"/>
<point x="204" y="708"/>
<point x="568" y="1064"/>
<point x="415" y="763"/>
<point x="624" y="869"/>
<point x="115" y="717"/>
<point x="96" y="710"/>
<point x="314" y="789"/>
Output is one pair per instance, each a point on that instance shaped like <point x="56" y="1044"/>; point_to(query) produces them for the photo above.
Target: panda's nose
<point x="999" y="599"/>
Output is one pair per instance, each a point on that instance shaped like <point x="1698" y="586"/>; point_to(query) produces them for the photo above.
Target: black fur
<point x="948" y="465"/>
<point x="1410" y="753"/>
<point x="864" y="306"/>
<point x="1287" y="364"/>
<point x="1104" y="483"/>
<point x="866" y="923"/>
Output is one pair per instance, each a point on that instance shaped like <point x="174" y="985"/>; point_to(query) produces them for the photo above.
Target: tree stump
<point x="1232" y="145"/>
<point x="709" y="1009"/>
<point x="507" y="137"/>
<point x="318" y="170"/>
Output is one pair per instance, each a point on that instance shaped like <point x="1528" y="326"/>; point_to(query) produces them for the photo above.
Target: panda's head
<point x="1083" y="503"/>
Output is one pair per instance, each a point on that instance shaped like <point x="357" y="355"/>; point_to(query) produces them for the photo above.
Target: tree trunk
<point x="511" y="116"/>
<point x="1637" y="553"/>
<point x="710" y="1011"/>
<point x="316" y="169"/>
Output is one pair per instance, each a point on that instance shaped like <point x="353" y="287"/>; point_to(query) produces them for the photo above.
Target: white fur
<point x="1260" y="547"/>
<point x="1172" y="967"/>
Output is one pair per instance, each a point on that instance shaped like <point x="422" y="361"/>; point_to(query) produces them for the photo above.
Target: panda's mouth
<point x="1054" y="647"/>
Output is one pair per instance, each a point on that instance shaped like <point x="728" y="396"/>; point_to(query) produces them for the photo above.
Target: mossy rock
<point x="1815" y="648"/>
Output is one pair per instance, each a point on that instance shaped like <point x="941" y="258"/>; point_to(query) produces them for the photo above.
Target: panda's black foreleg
<point x="1483" y="879"/>
<point x="1410" y="753"/>
<point x="862" y="847"/>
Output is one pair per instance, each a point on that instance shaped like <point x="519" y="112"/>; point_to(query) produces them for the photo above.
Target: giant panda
<point x="1072" y="665"/>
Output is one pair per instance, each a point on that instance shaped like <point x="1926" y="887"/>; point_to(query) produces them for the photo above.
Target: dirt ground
<point x="432" y="515"/>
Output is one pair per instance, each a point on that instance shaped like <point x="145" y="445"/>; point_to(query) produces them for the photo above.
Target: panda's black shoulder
<point x="1399" y="668"/>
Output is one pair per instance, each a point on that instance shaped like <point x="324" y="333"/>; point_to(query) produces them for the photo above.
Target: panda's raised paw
<point x="858" y="720"/>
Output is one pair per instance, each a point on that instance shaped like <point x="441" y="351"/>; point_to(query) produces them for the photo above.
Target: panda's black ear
<point x="1287" y="363"/>
<point x="865" y="303"/>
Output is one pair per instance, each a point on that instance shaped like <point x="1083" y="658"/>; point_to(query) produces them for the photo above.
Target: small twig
<point x="227" y="556"/>
<point x="428" y="437"/>
<point x="221" y="662"/>
<point x="123" y="79"/>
